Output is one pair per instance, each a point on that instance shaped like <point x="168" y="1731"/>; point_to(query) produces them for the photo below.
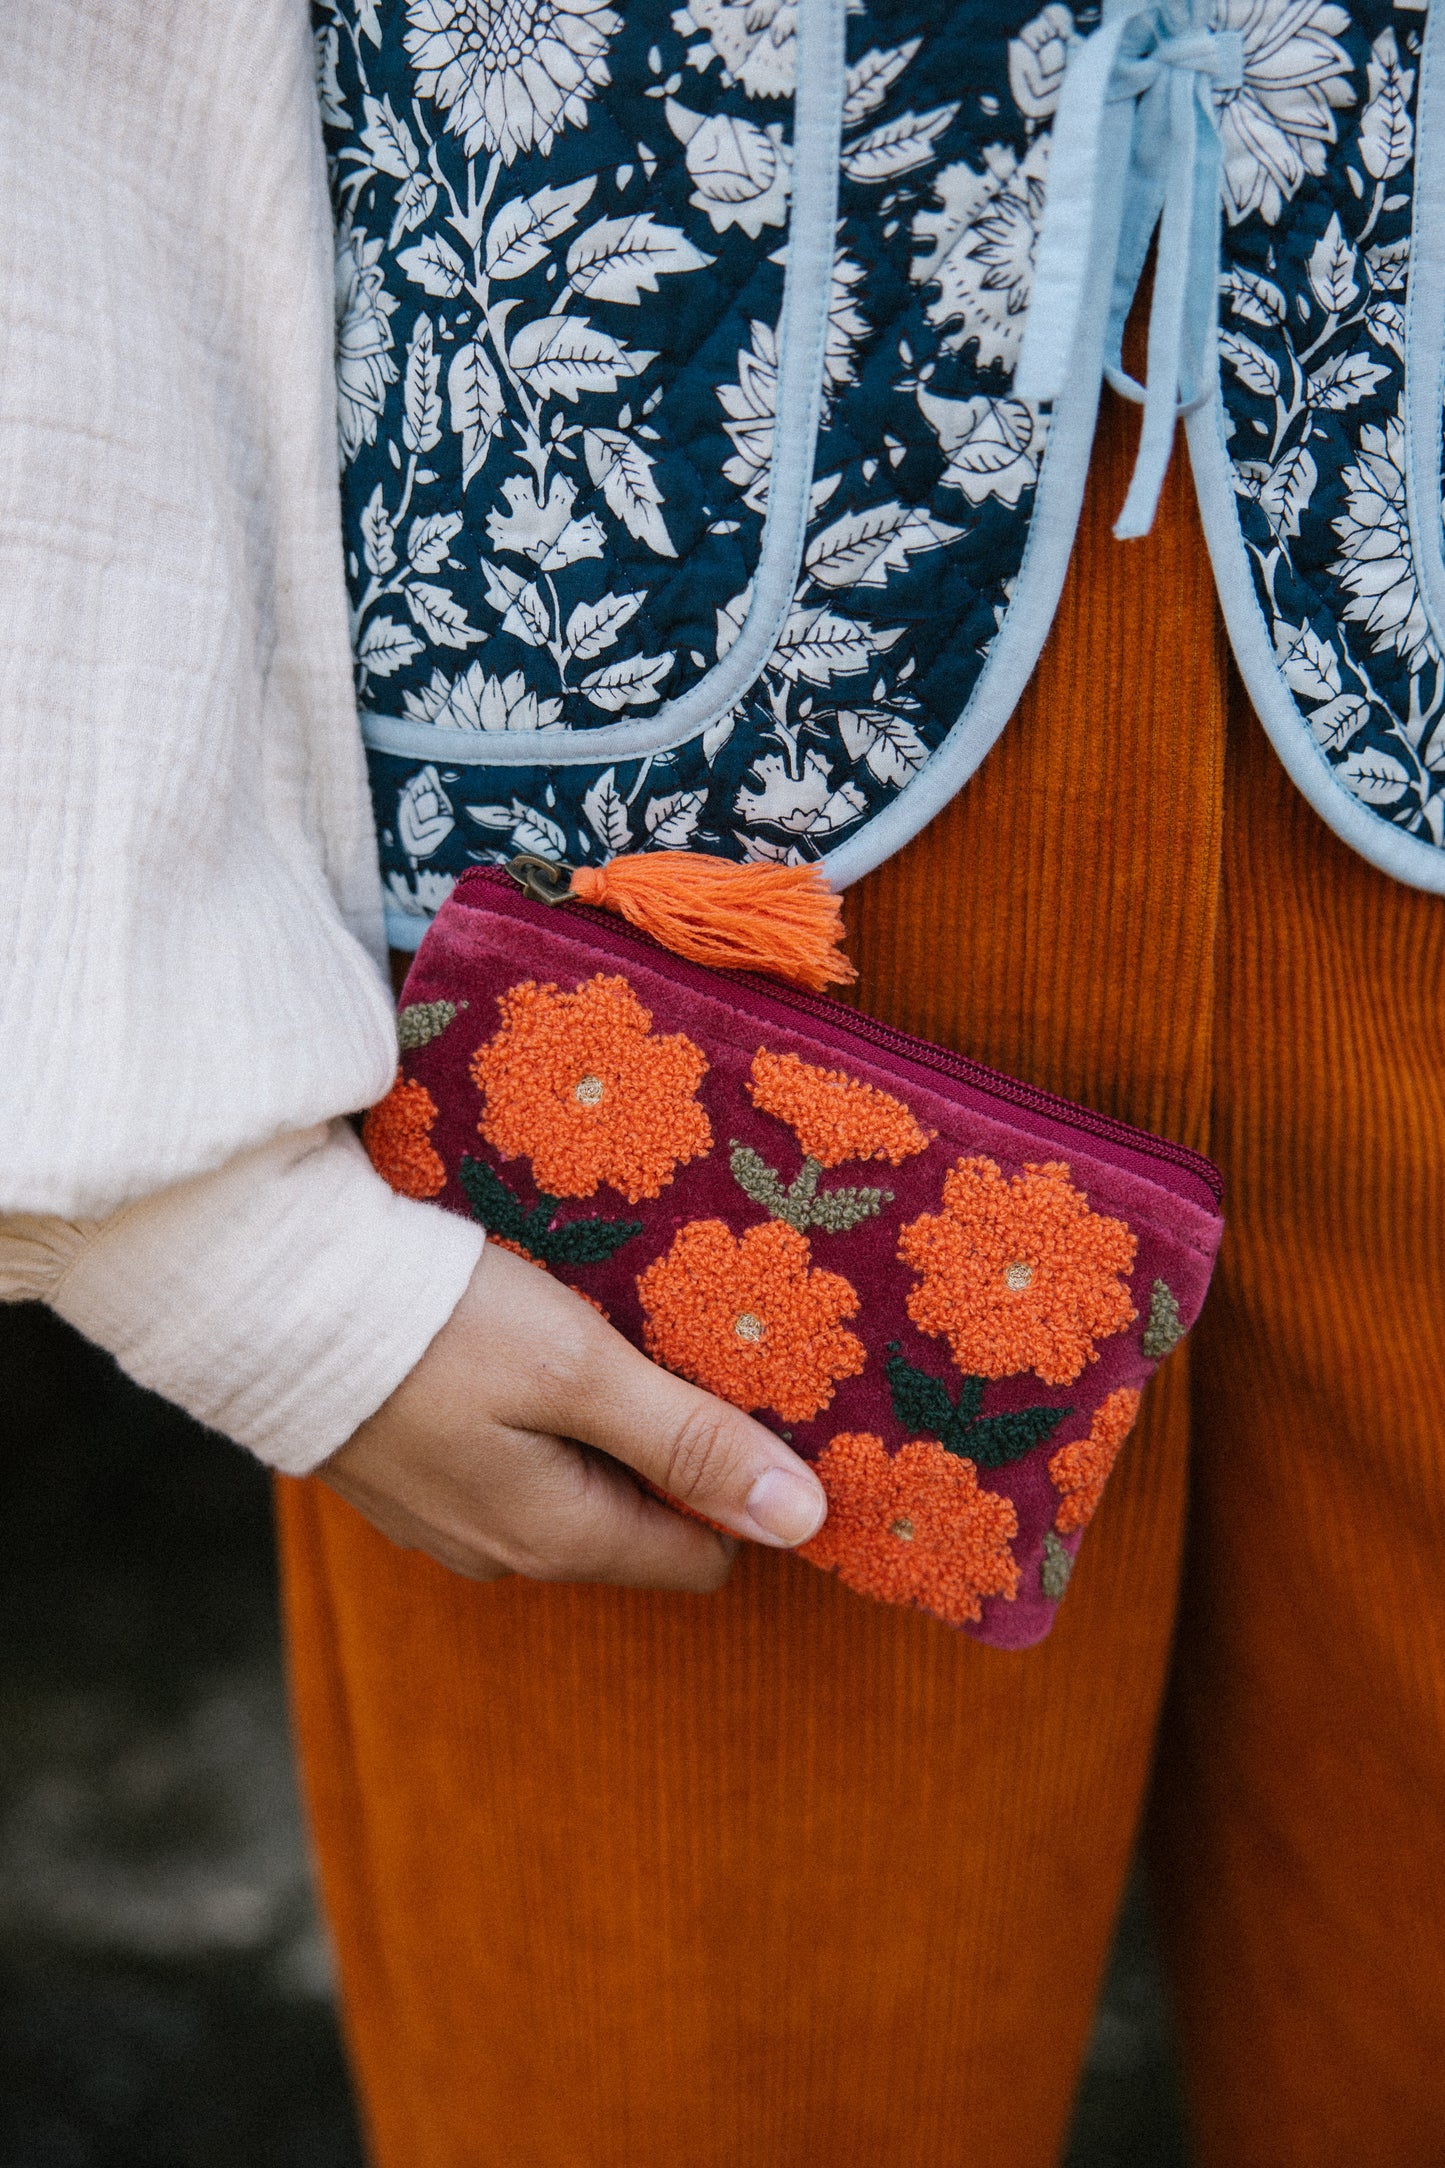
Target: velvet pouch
<point x="945" y="1288"/>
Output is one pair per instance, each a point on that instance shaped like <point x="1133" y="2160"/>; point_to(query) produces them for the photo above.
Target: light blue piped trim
<point x="1138" y="140"/>
<point x="1425" y="333"/>
<point x="1404" y="857"/>
<point x="1040" y="580"/>
<point x="807" y="297"/>
<point x="1165" y="63"/>
<point x="405" y="930"/>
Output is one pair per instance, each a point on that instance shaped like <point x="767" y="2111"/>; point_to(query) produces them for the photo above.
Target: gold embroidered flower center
<point x="914" y="1527"/>
<point x="749" y="1326"/>
<point x="1018" y="1275"/>
<point x="588" y="1092"/>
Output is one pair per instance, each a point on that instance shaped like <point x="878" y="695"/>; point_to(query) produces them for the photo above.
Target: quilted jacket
<point x="717" y="384"/>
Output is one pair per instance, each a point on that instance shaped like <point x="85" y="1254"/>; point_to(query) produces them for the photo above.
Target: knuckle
<point x="705" y="1456"/>
<point x="560" y="1552"/>
<point x="465" y="1558"/>
<point x="711" y="1571"/>
<point x="481" y="1566"/>
<point x="565" y="1365"/>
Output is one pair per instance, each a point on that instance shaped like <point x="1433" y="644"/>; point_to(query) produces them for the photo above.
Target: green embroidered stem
<point x="576" y="1242"/>
<point x="835" y="1211"/>
<point x="921" y="1403"/>
<point x="756" y="1179"/>
<point x="805" y="1185"/>
<point x="1056" y="1568"/>
<point x="1165" y="1328"/>
<point x="422" y="1021"/>
<point x="499" y="1211"/>
<point x="924" y="1406"/>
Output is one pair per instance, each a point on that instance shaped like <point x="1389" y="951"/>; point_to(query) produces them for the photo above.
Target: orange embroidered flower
<point x="915" y="1528"/>
<point x="397" y="1134"/>
<point x="1018" y="1275"/>
<point x="1081" y="1470"/>
<point x="749" y="1319"/>
<point x="834" y="1117"/>
<point x="582" y="1086"/>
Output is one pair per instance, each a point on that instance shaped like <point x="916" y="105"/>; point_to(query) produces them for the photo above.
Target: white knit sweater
<point x="191" y="991"/>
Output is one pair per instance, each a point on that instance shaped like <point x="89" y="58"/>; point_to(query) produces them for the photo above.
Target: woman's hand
<point x="499" y="1453"/>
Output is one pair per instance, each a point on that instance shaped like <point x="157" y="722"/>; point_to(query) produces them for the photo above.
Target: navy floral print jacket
<point x="708" y="482"/>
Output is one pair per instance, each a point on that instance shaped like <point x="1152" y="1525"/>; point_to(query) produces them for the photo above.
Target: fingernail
<point x="786" y="1507"/>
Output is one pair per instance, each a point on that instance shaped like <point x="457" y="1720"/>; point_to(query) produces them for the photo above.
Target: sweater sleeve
<point x="279" y="1299"/>
<point x="191" y="967"/>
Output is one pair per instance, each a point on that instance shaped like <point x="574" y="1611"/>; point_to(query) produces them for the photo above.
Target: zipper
<point x="941" y="1061"/>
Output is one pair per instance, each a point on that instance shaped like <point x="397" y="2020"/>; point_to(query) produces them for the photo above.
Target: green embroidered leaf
<point x="1056" y="1568"/>
<point x="756" y="1179"/>
<point x="585" y="1241"/>
<point x="839" y="1209"/>
<point x="995" y="1440"/>
<point x="804" y="1186"/>
<point x="1165" y="1328"/>
<point x="579" y="1242"/>
<point x="422" y="1021"/>
<point x="920" y="1403"/>
<point x="491" y="1201"/>
<point x="536" y="1226"/>
<point x="800" y="1205"/>
<point x="970" y="1398"/>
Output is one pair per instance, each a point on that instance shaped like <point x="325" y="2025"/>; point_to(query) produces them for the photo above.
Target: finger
<point x="573" y="1374"/>
<point x="697" y="1448"/>
<point x="561" y="1514"/>
<point x="581" y="1517"/>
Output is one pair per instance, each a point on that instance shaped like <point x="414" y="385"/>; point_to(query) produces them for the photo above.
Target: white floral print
<point x="1276" y="126"/>
<point x="424" y="817"/>
<point x="979" y="249"/>
<point x="1313" y="381"/>
<point x="478" y="701"/>
<point x="751" y="405"/>
<point x="496" y="378"/>
<point x="755" y="40"/>
<point x="994" y="446"/>
<point x="1375" y="563"/>
<point x="1037" y="58"/>
<point x="801" y="804"/>
<point x="509" y="74"/>
<point x="846" y="326"/>
<point x="1387" y="131"/>
<point x="421" y="896"/>
<point x="364" y="360"/>
<point x="544" y="530"/>
<point x="546" y="489"/>
<point x="740" y="172"/>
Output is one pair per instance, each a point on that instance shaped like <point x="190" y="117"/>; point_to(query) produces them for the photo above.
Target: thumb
<point x="701" y="1451"/>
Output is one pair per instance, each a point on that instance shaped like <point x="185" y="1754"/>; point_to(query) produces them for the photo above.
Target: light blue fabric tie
<point x="1135" y="146"/>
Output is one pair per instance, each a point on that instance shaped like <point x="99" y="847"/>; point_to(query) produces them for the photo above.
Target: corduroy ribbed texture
<point x="781" y="1877"/>
<point x="1298" y="1837"/>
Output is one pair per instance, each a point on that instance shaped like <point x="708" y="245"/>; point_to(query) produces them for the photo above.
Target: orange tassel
<point x="784" y="920"/>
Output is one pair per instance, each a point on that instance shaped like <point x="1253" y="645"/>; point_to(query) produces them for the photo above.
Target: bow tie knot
<point x="1135" y="149"/>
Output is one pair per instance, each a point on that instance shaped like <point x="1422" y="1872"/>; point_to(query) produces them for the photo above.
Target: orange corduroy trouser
<point x="784" y="1879"/>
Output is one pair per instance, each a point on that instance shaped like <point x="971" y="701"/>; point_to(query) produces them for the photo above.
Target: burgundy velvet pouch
<point x="946" y="1289"/>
